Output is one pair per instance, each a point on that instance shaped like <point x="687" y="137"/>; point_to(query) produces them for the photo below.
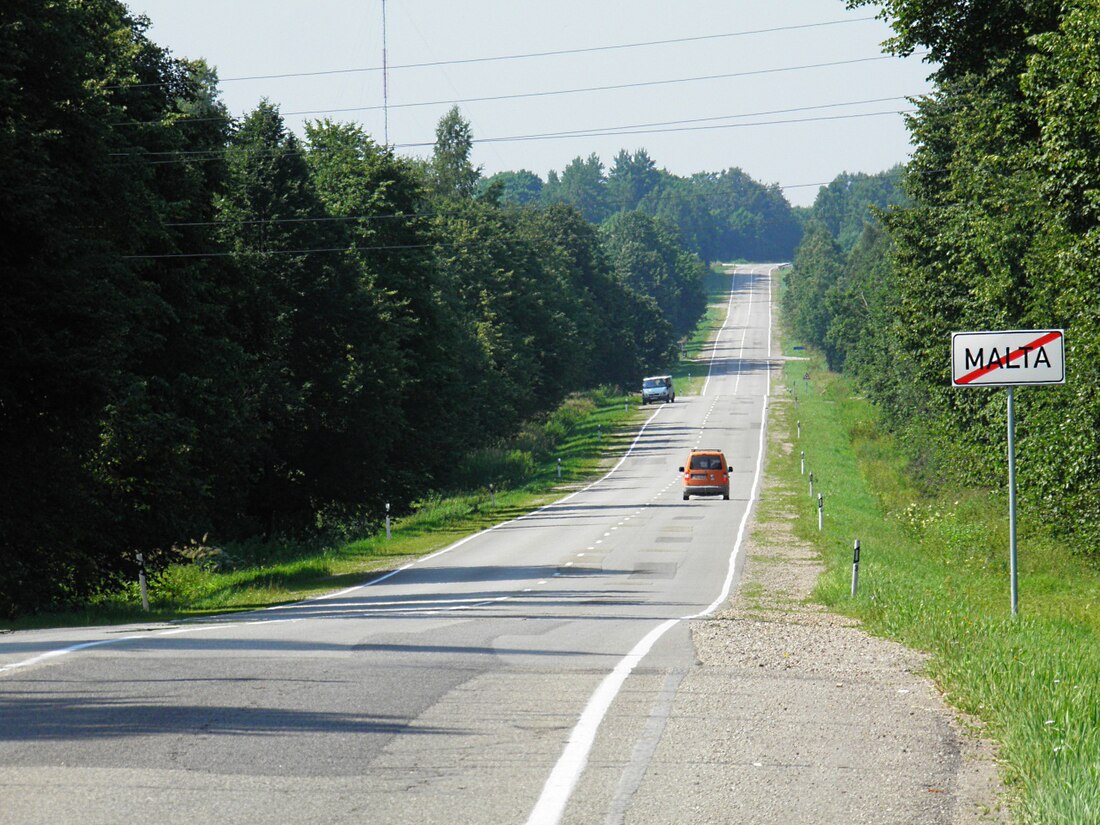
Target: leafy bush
<point x="496" y="465"/>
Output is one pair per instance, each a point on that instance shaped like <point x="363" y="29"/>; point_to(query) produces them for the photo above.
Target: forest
<point x="993" y="225"/>
<point x="214" y="326"/>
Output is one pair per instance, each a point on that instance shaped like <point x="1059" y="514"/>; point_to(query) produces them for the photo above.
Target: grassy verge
<point x="934" y="576"/>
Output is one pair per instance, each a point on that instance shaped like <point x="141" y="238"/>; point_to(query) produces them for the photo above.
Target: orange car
<point x="706" y="474"/>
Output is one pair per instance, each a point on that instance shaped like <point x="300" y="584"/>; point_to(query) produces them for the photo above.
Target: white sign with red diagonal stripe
<point x="1008" y="359"/>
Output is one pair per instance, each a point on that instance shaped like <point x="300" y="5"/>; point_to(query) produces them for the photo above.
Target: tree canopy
<point x="225" y="329"/>
<point x="998" y="229"/>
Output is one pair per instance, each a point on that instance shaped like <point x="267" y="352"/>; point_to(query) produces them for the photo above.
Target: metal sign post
<point x="1009" y="359"/>
<point x="1012" y="502"/>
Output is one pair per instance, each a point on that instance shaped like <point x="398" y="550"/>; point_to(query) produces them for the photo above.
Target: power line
<point x="554" y="92"/>
<point x="170" y="255"/>
<point x="521" y="56"/>
<point x="155" y="159"/>
<point x="324" y="219"/>
<point x="612" y="130"/>
<point x="395" y="216"/>
<point x="646" y="130"/>
<point x="819" y="119"/>
<point x="559" y="52"/>
<point x="640" y="84"/>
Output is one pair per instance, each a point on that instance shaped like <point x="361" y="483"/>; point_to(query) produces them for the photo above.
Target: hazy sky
<point x="698" y="122"/>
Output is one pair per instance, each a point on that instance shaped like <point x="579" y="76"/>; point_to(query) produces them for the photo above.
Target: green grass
<point x="934" y="576"/>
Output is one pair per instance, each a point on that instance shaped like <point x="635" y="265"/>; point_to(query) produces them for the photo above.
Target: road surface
<point x="473" y="686"/>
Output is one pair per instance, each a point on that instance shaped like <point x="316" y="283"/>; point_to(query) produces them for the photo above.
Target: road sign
<point x="1008" y="359"/>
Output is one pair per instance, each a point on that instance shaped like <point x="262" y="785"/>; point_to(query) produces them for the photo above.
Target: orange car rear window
<point x="706" y="462"/>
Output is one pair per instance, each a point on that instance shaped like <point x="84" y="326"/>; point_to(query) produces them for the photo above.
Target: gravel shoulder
<point x="794" y="714"/>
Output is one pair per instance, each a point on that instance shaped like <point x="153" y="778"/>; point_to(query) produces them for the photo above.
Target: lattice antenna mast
<point x="385" y="82"/>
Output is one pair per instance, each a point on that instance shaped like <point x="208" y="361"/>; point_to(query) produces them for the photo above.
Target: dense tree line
<point x="1002" y="232"/>
<point x="219" y="327"/>
<point x="717" y="216"/>
<point x="839" y="282"/>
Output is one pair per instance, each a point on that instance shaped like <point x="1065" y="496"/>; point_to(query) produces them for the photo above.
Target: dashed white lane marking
<point x="714" y="347"/>
<point x="559" y="786"/>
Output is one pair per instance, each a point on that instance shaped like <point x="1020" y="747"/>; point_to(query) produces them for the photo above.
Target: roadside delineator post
<point x="802" y="459"/>
<point x="559" y="468"/>
<point x="389" y="535"/>
<point x="811" y="483"/>
<point x="143" y="583"/>
<point x="798" y="429"/>
<point x="820" y="511"/>
<point x="855" y="568"/>
<point x="493" y="493"/>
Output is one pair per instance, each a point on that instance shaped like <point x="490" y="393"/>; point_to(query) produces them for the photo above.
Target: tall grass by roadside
<point x="934" y="576"/>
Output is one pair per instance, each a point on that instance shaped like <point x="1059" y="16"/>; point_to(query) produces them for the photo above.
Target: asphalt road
<point x="470" y="687"/>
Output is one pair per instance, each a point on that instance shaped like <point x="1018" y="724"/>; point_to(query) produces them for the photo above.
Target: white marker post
<point x="855" y="567"/>
<point x="1009" y="359"/>
<point x="143" y="584"/>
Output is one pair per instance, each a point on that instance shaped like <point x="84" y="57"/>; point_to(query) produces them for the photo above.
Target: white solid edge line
<point x="51" y="654"/>
<point x="567" y="771"/>
<point x="559" y="787"/>
<point x="175" y="631"/>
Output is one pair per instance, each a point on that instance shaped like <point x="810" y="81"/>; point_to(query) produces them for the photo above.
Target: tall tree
<point x="632" y="177"/>
<point x="582" y="184"/>
<point x="453" y="175"/>
<point x="645" y="254"/>
<point x="817" y="271"/>
<point x="849" y="201"/>
<point x="521" y="188"/>
<point x="410" y="340"/>
<point x="87" y="103"/>
<point x="301" y="315"/>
